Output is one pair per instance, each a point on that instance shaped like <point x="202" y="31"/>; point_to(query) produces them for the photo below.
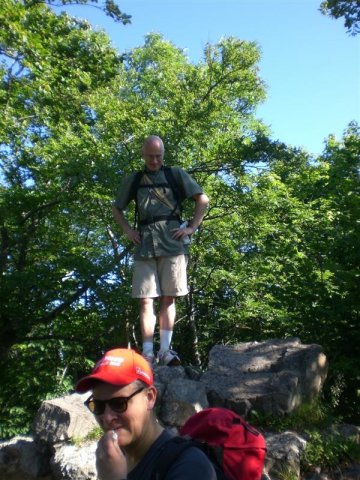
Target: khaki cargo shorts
<point x="159" y="276"/>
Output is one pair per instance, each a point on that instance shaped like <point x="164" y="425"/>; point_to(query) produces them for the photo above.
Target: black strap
<point x="133" y="194"/>
<point x="179" y="196"/>
<point x="158" y="218"/>
<point x="135" y="185"/>
<point x="171" y="183"/>
<point x="154" y="185"/>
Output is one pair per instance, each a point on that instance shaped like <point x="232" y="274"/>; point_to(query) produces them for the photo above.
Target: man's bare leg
<point x="147" y="325"/>
<point x="167" y="313"/>
<point x="167" y="321"/>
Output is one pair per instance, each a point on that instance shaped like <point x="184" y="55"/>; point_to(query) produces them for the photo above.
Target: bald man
<point x="162" y="247"/>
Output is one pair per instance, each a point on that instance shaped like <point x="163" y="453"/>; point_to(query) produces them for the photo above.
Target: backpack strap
<point x="171" y="182"/>
<point x="158" y="218"/>
<point x="133" y="194"/>
<point x="135" y="185"/>
<point x="178" y="195"/>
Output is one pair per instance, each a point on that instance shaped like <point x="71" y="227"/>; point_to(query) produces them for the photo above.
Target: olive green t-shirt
<point x="156" y="240"/>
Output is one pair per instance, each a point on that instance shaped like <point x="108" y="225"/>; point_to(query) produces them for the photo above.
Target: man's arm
<point x="201" y="204"/>
<point x="132" y="234"/>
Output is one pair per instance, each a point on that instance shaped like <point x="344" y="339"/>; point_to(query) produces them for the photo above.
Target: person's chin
<point x="123" y="442"/>
<point x="124" y="436"/>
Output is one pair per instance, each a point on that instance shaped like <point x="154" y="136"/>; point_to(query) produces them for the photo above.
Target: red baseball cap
<point x="118" y="367"/>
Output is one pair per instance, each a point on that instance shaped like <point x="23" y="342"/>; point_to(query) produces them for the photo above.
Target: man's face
<point x="153" y="156"/>
<point x="129" y="424"/>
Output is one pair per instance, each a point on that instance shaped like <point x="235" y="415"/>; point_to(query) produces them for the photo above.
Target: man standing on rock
<point x="161" y="242"/>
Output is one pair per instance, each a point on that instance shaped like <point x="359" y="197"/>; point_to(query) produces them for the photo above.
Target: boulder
<point x="22" y="459"/>
<point x="274" y="376"/>
<point x="63" y="419"/>
<point x="284" y="454"/>
<point x="182" y="398"/>
<point x="71" y="462"/>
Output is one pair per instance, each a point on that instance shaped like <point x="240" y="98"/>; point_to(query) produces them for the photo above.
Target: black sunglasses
<point x="117" y="404"/>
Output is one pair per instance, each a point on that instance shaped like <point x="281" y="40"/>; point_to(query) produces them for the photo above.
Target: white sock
<point x="148" y="348"/>
<point x="165" y="339"/>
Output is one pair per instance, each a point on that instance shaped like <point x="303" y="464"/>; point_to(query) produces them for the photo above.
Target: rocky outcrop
<point x="61" y="420"/>
<point x="72" y="462"/>
<point x="271" y="377"/>
<point x="22" y="458"/>
<point x="274" y="377"/>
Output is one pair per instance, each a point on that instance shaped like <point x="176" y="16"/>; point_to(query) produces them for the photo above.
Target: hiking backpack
<point x="171" y="183"/>
<point x="236" y="449"/>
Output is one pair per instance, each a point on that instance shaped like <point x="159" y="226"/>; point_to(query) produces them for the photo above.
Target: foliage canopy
<point x="277" y="253"/>
<point x="348" y="9"/>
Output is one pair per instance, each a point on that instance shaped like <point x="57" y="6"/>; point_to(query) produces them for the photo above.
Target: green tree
<point x="268" y="260"/>
<point x="205" y="113"/>
<point x="50" y="245"/>
<point x="110" y="7"/>
<point x="75" y="114"/>
<point x="349" y="9"/>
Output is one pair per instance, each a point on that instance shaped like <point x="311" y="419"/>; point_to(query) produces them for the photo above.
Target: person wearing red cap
<point x="123" y="400"/>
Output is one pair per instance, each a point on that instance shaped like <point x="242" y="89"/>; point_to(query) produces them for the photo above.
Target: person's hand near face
<point x="121" y="413"/>
<point x="110" y="460"/>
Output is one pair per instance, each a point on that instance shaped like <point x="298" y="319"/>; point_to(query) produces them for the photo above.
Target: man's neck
<point x="146" y="170"/>
<point x="136" y="452"/>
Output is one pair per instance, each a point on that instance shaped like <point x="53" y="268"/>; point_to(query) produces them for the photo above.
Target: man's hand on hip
<point x="179" y="233"/>
<point x="134" y="236"/>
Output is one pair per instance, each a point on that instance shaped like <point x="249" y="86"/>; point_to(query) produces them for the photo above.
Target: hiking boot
<point x="150" y="358"/>
<point x="169" y="358"/>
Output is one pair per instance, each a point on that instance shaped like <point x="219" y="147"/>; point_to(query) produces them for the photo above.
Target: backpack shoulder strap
<point x="170" y="451"/>
<point x="135" y="185"/>
<point x="173" y="184"/>
<point x="133" y="195"/>
<point x="178" y="193"/>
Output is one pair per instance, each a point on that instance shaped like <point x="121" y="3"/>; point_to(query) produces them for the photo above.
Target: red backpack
<point x="236" y="449"/>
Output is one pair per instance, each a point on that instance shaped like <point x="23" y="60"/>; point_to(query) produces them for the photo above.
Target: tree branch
<point x="39" y="209"/>
<point x="79" y="292"/>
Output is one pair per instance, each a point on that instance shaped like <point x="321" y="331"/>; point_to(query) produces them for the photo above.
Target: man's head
<point x="153" y="153"/>
<point x="123" y="394"/>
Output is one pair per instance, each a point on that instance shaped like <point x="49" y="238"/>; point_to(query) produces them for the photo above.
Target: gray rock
<point x="275" y="376"/>
<point x="62" y="419"/>
<point x="71" y="462"/>
<point x="160" y="387"/>
<point x="182" y="398"/>
<point x="349" y="432"/>
<point x="165" y="375"/>
<point x="192" y="373"/>
<point x="284" y="453"/>
<point x="352" y="472"/>
<point x="21" y="459"/>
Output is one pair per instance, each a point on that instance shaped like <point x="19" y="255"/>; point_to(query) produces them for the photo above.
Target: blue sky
<point x="310" y="64"/>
